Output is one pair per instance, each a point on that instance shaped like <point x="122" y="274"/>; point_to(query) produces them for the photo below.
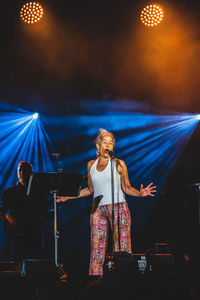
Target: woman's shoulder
<point x="119" y="161"/>
<point x="90" y="163"/>
<point x="120" y="165"/>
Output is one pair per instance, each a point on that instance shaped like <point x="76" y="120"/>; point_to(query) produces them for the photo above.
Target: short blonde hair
<point x="101" y="134"/>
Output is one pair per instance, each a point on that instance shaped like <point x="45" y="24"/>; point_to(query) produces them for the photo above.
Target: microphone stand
<point x="113" y="215"/>
<point x="112" y="193"/>
<point x="54" y="193"/>
<point x="56" y="233"/>
<point x="196" y="186"/>
<point x="198" y="201"/>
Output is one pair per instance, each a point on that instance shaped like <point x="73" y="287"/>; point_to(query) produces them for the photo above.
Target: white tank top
<point x="102" y="184"/>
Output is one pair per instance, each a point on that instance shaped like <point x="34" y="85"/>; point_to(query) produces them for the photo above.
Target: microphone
<point x="111" y="153"/>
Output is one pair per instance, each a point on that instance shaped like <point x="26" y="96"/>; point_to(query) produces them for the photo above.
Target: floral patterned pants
<point x="99" y="223"/>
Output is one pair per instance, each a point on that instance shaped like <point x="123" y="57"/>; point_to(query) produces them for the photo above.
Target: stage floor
<point x="122" y="283"/>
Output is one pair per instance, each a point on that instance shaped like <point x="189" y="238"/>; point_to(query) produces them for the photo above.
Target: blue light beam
<point x="35" y="115"/>
<point x="22" y="137"/>
<point x="151" y="144"/>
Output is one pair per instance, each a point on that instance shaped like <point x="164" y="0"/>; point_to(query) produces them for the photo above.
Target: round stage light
<point x="151" y="15"/>
<point x="198" y="117"/>
<point x="35" y="116"/>
<point x="31" y="12"/>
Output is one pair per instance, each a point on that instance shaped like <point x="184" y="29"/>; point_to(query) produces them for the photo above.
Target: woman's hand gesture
<point x="148" y="190"/>
<point x="62" y="199"/>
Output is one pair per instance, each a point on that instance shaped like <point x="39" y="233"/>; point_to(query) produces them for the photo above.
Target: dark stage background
<point x="88" y="65"/>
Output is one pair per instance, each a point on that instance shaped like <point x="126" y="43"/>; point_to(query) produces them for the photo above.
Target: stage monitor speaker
<point x="141" y="262"/>
<point x="160" y="259"/>
<point x="122" y="262"/>
<point x="162" y="264"/>
<point x="9" y="268"/>
<point x="40" y="270"/>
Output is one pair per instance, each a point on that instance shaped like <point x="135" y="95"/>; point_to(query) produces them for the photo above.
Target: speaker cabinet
<point x="40" y="270"/>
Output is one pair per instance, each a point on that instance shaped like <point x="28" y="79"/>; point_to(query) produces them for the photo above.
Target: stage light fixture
<point x="198" y="117"/>
<point x="31" y="12"/>
<point x="151" y="15"/>
<point x="35" y="116"/>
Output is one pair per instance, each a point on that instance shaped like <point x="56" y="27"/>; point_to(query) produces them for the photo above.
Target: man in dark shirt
<point x="23" y="217"/>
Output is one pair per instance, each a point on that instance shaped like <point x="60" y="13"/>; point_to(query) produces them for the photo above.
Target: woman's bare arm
<point x="126" y="186"/>
<point x="85" y="192"/>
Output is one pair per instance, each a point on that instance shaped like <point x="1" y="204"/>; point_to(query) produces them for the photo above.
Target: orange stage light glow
<point x="152" y="15"/>
<point x="31" y="12"/>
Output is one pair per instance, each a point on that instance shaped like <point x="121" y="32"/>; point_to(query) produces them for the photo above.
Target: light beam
<point x="35" y="115"/>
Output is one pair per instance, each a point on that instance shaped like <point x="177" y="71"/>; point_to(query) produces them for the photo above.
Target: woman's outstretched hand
<point x="62" y="199"/>
<point x="149" y="190"/>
